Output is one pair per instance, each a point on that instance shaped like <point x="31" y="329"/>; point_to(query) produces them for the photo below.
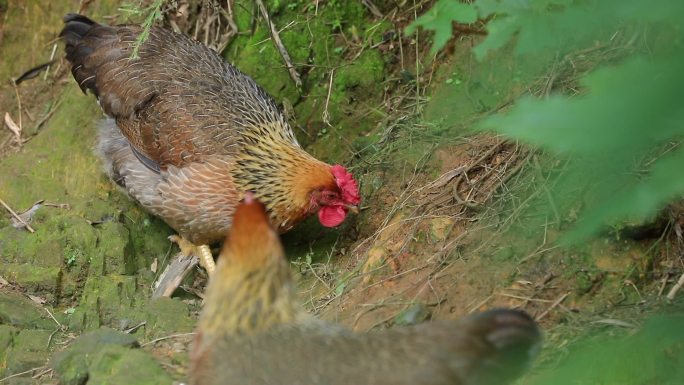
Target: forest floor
<point x="451" y="221"/>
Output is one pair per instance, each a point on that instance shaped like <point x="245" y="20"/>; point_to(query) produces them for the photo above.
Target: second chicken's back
<point x="253" y="331"/>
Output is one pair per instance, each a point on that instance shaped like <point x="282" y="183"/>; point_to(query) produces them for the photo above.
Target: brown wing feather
<point x="178" y="103"/>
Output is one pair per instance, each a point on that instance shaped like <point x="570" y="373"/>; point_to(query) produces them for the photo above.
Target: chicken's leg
<point x="203" y="252"/>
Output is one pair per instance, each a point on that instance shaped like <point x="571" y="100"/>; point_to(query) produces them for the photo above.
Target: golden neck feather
<point x="283" y="175"/>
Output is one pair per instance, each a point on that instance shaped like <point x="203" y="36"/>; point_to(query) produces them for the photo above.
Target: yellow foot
<point x="203" y="252"/>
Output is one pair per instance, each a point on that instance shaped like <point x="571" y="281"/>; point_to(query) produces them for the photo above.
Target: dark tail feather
<point x="76" y="28"/>
<point x="33" y="72"/>
<point x="515" y="339"/>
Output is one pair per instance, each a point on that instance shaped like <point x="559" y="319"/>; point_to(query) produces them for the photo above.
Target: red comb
<point x="347" y="184"/>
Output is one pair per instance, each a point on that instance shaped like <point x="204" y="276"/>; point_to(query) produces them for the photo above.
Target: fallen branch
<point x="279" y="44"/>
<point x="173" y="275"/>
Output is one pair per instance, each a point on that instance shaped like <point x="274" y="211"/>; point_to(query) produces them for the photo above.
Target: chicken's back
<point x="178" y="102"/>
<point x="491" y="348"/>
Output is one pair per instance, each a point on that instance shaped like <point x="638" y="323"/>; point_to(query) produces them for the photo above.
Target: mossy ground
<point x="369" y="100"/>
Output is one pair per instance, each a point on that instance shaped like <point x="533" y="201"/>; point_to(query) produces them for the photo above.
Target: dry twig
<point x="22" y="373"/>
<point x="19" y="218"/>
<point x="553" y="306"/>
<point x="671" y="294"/>
<point x="154" y="341"/>
<point x="16" y="129"/>
<point x="279" y="44"/>
<point x="372" y="8"/>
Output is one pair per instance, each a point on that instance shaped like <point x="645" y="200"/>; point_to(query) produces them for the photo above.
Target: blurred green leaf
<point x="654" y="355"/>
<point x="440" y="18"/>
<point x="628" y="111"/>
<point x="610" y="117"/>
<point x="639" y="200"/>
<point x="500" y="31"/>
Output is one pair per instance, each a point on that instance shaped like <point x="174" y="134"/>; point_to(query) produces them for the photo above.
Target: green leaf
<point x="499" y="32"/>
<point x="612" y="114"/>
<point x="628" y="112"/>
<point x="654" y="355"/>
<point x="640" y="200"/>
<point x="339" y="289"/>
<point x="439" y="19"/>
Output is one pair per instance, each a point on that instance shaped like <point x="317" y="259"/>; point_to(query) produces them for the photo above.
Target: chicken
<point x="252" y="331"/>
<point x="188" y="134"/>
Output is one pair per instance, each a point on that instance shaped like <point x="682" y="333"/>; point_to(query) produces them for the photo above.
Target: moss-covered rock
<point x="106" y="301"/>
<point x="29" y="350"/>
<point x="106" y="356"/>
<point x="19" y="311"/>
<point x="166" y="316"/>
<point x="7" y="334"/>
<point x="72" y="364"/>
<point x="119" y="365"/>
<point x="36" y="278"/>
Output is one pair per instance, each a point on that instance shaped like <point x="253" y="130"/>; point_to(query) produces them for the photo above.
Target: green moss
<point x="316" y="44"/>
<point x="119" y="365"/>
<point x="7" y="334"/>
<point x="166" y="316"/>
<point x="59" y="164"/>
<point x="114" y="249"/>
<point x="72" y="364"/>
<point x="106" y="356"/>
<point x="17" y="310"/>
<point x="29" y="350"/>
<point x="106" y="301"/>
<point x="365" y="72"/>
<point x="32" y="277"/>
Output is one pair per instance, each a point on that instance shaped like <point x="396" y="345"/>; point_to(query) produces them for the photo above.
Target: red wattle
<point x="331" y="216"/>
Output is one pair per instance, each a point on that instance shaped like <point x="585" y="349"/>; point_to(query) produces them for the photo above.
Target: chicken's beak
<point x="353" y="208"/>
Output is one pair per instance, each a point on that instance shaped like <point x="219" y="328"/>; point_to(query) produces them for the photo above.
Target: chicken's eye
<point x="329" y="195"/>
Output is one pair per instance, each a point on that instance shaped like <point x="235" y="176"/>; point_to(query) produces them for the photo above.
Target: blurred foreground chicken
<point x="189" y="134"/>
<point x="252" y="331"/>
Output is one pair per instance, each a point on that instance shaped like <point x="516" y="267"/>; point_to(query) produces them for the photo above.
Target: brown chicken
<point x="189" y="134"/>
<point x="252" y="331"/>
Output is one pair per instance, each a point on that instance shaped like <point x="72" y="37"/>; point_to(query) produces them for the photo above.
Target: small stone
<point x="413" y="315"/>
<point x="440" y="228"/>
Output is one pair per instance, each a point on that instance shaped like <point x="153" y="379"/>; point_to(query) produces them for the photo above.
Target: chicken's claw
<point x="203" y="252"/>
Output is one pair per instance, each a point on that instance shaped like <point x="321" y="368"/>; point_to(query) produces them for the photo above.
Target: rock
<point x="73" y="364"/>
<point x="30" y="276"/>
<point x="413" y="315"/>
<point x="119" y="365"/>
<point x="166" y="316"/>
<point x="29" y="350"/>
<point x="440" y="228"/>
<point x="7" y="334"/>
<point x="106" y="300"/>
<point x="17" y="310"/>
